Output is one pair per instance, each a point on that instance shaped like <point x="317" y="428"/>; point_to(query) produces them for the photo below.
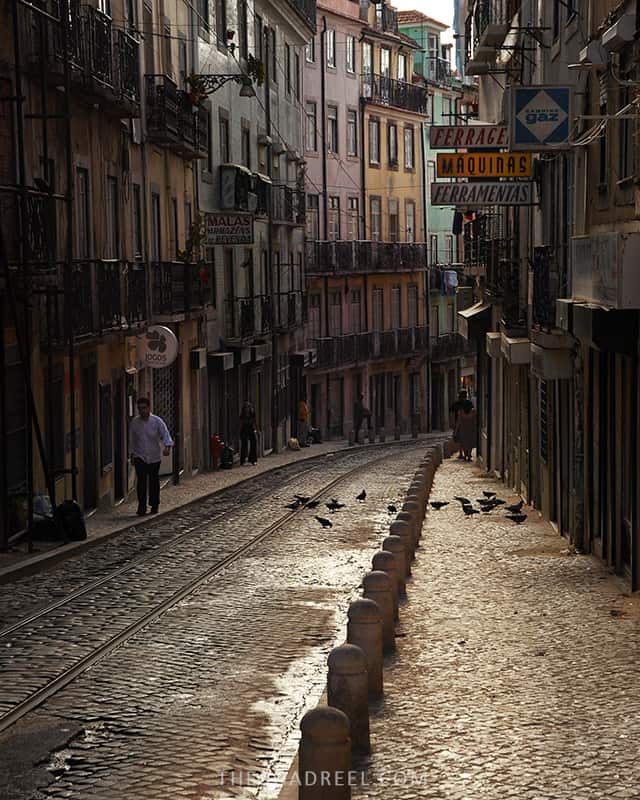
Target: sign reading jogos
<point x="158" y="347"/>
<point x="508" y="193"/>
<point x="229" y="229"/>
<point x="484" y="165"/>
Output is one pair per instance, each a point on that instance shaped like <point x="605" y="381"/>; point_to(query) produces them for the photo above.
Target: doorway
<point x="119" y="449"/>
<point x="89" y="436"/>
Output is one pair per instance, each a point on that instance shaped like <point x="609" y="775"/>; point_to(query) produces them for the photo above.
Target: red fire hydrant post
<point x="216" y="445"/>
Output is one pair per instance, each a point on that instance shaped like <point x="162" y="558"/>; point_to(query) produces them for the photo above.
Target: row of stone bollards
<point x="370" y="435"/>
<point x="333" y="734"/>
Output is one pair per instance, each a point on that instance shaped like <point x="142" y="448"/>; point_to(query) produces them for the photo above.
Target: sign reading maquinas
<point x="484" y="165"/>
<point x="229" y="229"/>
<point x="445" y="137"/>
<point x="482" y="194"/>
<point x="540" y="117"/>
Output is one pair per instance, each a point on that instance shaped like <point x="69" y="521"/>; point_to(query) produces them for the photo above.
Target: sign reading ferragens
<point x="229" y="229"/>
<point x="482" y="194"/>
<point x="444" y="137"/>
<point x="484" y="165"/>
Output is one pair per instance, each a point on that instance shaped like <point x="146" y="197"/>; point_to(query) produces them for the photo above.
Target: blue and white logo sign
<point x="540" y="117"/>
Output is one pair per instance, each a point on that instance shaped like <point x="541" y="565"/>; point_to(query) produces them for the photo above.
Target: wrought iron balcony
<point x="288" y="310"/>
<point x="307" y="10"/>
<point x="544" y="290"/>
<point x="486" y="28"/>
<point x="439" y="71"/>
<point x="447" y="346"/>
<point x="288" y="205"/>
<point x="179" y="287"/>
<point x="387" y="91"/>
<point x="240" y="317"/>
<point x="364" y="256"/>
<point x="386" y="18"/>
<point x="340" y="351"/>
<point x="172" y="119"/>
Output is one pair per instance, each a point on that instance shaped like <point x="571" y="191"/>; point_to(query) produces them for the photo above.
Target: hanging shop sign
<point x="229" y="229"/>
<point x="540" y="117"/>
<point x="484" y="165"/>
<point x="444" y="137"/>
<point x="158" y="347"/>
<point x="507" y="193"/>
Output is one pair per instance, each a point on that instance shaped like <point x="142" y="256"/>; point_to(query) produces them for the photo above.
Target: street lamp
<point x="204" y="85"/>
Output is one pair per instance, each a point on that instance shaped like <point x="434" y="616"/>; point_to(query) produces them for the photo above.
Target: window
<point x="225" y="154"/>
<point x="376" y="215"/>
<point x="312" y="126"/>
<point x="392" y="144"/>
<point x="274" y="55"/>
<point x="297" y="75"/>
<point x="353" y="219"/>
<point x="408" y="148"/>
<point x="402" y="68"/>
<point x="137" y="222"/>
<point x="332" y="129"/>
<point x="83" y="214"/>
<point x="331" y="48"/>
<point x="385" y="62"/>
<point x="352" y="133"/>
<point x="166" y="40"/>
<point x="333" y="205"/>
<point x="112" y="243"/>
<point x="173" y="228"/>
<point x="355" y="311"/>
<point x="313" y="222"/>
<point x="377" y="297"/>
<point x="433" y="249"/>
<point x="245" y="147"/>
<point x="156" y="228"/>
<point x="450" y="318"/>
<point x="257" y="36"/>
<point x="287" y="67"/>
<point x="447" y="111"/>
<point x="106" y="427"/>
<point x="351" y="53"/>
<point x="243" y="33"/>
<point x="396" y="307"/>
<point x="435" y="321"/>
<point x="431" y="172"/>
<point x="374" y="141"/>
<point x="335" y="314"/>
<point x="183" y="69"/>
<point x="310" y="51"/>
<point x="448" y="249"/>
<point x="394" y="222"/>
<point x="367" y="69"/>
<point x="314" y="316"/>
<point x="221" y="23"/>
<point x="410" y="214"/>
<point x="412" y="305"/>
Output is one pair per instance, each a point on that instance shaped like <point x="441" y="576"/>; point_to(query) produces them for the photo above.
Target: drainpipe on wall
<point x="425" y="271"/>
<point x="274" y="335"/>
<point x="325" y="200"/>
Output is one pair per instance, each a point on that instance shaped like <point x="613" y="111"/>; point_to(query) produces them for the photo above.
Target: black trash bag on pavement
<point x="69" y="517"/>
<point x="226" y="458"/>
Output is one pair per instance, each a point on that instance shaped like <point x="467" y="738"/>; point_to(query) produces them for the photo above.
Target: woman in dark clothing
<point x="466" y="429"/>
<point x="248" y="439"/>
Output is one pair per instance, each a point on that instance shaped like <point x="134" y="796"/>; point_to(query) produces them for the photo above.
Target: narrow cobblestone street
<point x="516" y="674"/>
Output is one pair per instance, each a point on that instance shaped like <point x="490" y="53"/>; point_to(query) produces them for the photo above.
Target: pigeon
<point x="517" y="518"/>
<point x="392" y="509"/>
<point x="469" y="510"/>
<point x="464" y="500"/>
<point x="488" y="494"/>
<point x="362" y="496"/>
<point x="498" y="502"/>
<point x="294" y="506"/>
<point x="515" y="508"/>
<point x="486" y="508"/>
<point x="312" y="504"/>
<point x="326" y="523"/>
<point x="438" y="504"/>
<point x="334" y="505"/>
<point x="302" y="499"/>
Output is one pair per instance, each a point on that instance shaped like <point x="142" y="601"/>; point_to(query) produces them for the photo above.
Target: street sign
<point x="158" y="347"/>
<point x="229" y="229"/>
<point x="446" y="137"/>
<point x="506" y="193"/>
<point x="484" y="165"/>
<point x="540" y="117"/>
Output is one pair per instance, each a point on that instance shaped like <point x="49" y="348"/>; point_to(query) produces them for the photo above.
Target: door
<point x="89" y="438"/>
<point x="164" y="405"/>
<point x="119" y="448"/>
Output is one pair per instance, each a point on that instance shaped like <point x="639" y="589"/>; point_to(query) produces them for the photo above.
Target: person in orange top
<point x="303" y="421"/>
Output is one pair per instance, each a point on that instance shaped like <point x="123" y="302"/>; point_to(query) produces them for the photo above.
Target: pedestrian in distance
<point x="248" y="437"/>
<point x="149" y="440"/>
<point x="360" y="413"/>
<point x="455" y="409"/>
<point x="303" y="421"/>
<point x="465" y="431"/>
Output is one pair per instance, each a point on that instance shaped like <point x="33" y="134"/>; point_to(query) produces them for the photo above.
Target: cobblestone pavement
<point x="212" y="692"/>
<point x="517" y="672"/>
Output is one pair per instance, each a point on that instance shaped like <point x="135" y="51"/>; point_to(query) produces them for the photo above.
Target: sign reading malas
<point x="508" y="193"/>
<point x="444" y="137"/>
<point x="229" y="229"/>
<point x="484" y="165"/>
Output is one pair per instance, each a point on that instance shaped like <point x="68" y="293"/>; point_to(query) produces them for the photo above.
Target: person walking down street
<point x="248" y="438"/>
<point x="360" y="413"/>
<point x="149" y="440"/>
<point x="303" y="422"/>
<point x="465" y="432"/>
<point x="455" y="409"/>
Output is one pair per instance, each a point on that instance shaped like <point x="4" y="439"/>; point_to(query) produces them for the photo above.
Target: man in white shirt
<point x="149" y="440"/>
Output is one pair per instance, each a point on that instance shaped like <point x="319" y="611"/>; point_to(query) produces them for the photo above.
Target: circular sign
<point x="158" y="347"/>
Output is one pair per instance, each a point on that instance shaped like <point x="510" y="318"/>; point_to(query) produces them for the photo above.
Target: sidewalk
<point x="516" y="674"/>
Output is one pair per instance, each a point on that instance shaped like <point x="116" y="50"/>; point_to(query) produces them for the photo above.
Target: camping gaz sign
<point x="484" y="165"/>
<point x="493" y="193"/>
<point x="472" y="137"/>
<point x="229" y="229"/>
<point x="540" y="117"/>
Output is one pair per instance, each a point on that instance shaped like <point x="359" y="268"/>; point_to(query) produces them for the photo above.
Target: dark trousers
<point x="147" y="474"/>
<point x="248" y="442"/>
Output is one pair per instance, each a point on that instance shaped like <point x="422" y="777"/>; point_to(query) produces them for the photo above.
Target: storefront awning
<point x="475" y="321"/>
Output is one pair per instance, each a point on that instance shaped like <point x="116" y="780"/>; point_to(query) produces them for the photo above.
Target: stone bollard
<point x="364" y="629"/>
<point x="377" y="587"/>
<point x="414" y="431"/>
<point x="413" y="509"/>
<point x="372" y="436"/>
<point x="416" y="490"/>
<point x="324" y="755"/>
<point x="403" y="527"/>
<point x="395" y="544"/>
<point x="352" y="438"/>
<point x="360" y="437"/>
<point x="396" y="434"/>
<point x="382" y="434"/>
<point x="384" y="561"/>
<point x="348" y="690"/>
<point x="414" y="498"/>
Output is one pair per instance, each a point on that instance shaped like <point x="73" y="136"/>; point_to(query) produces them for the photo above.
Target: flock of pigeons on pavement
<point x="487" y="503"/>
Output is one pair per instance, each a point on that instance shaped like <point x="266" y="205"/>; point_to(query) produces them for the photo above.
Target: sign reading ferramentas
<point x="229" y="229"/>
<point x="453" y="137"/>
<point x="484" y="165"/>
<point x="509" y="193"/>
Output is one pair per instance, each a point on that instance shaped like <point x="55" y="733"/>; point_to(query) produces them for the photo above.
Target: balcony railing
<point x="449" y="345"/>
<point x="486" y="28"/>
<point x="354" y="348"/>
<point x="386" y="18"/>
<point x="240" y="317"/>
<point x="307" y="10"/>
<point x="439" y="71"/>
<point x="288" y="310"/>
<point x="179" y="287"/>
<point x="288" y="205"/>
<point x="364" y="256"/>
<point x="389" y="92"/>
<point x="172" y="120"/>
<point x="543" y="306"/>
